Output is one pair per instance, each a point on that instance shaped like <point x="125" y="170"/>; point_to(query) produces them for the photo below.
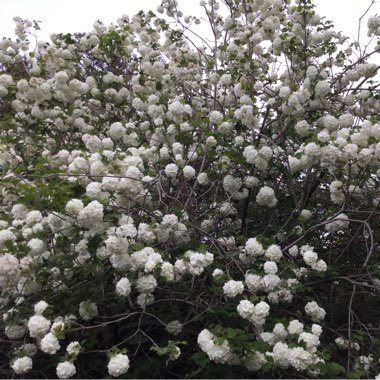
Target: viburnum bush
<point x="177" y="205"/>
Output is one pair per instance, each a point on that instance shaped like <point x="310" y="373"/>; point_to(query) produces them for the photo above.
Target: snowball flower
<point x="7" y="235"/>
<point x="65" y="370"/>
<point x="270" y="267"/>
<point x="279" y="331"/>
<point x="310" y="257"/>
<point x="146" y="284"/>
<point x="73" y="348"/>
<point x="322" y="89"/>
<point x="91" y="214"/>
<point x="88" y="310"/>
<point x="203" y="179"/>
<point x="295" y="327"/>
<point x="50" y="344"/>
<point x="217" y="272"/>
<point x="123" y="287"/>
<point x="216" y="117"/>
<point x="15" y="331"/>
<point x="306" y="214"/>
<point x="220" y="353"/>
<point x="73" y="206"/>
<point x="233" y="288"/>
<point x="40" y="307"/>
<point x="118" y="365"/>
<point x="341" y="222"/>
<point x="273" y="252"/>
<point x="36" y="246"/>
<point x="225" y="80"/>
<point x="315" y="312"/>
<point x="250" y="154"/>
<point x="302" y="127"/>
<point x="171" y="170"/>
<point x="266" y="197"/>
<point x="174" y="327"/>
<point x="254" y="248"/>
<point x="9" y="270"/>
<point x="22" y="365"/>
<point x="38" y="326"/>
<point x="254" y="282"/>
<point x="188" y="172"/>
<point x="245" y="309"/>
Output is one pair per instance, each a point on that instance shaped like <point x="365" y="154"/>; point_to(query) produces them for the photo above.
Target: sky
<point x="62" y="16"/>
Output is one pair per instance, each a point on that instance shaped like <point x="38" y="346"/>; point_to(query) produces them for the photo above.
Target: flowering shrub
<point x="174" y="206"/>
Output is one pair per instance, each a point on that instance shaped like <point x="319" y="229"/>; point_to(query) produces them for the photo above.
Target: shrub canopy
<point x="177" y="206"/>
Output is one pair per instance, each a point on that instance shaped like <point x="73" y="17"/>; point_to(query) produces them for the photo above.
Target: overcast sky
<point x="60" y="16"/>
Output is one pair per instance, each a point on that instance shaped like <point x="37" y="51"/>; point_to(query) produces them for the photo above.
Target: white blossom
<point x="118" y="365"/>
<point x="65" y="370"/>
<point x="22" y="365"/>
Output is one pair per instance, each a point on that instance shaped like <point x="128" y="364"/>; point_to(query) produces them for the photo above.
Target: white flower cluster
<point x="232" y="185"/>
<point x="118" y="365"/>
<point x="171" y="228"/>
<point x="194" y="263"/>
<point x="274" y="253"/>
<point x="22" y="365"/>
<point x="315" y="312"/>
<point x="174" y="327"/>
<point x="266" y="197"/>
<point x="260" y="158"/>
<point x="146" y="284"/>
<point x="218" y="353"/>
<point x="91" y="216"/>
<point x="9" y="271"/>
<point x="50" y="344"/>
<point x="233" y="288"/>
<point x="88" y="310"/>
<point x="311" y="259"/>
<point x="123" y="287"/>
<point x="256" y="314"/>
<point x="65" y="370"/>
<point x="253" y="249"/>
<point x="146" y="260"/>
<point x="38" y="326"/>
<point x="336" y="193"/>
<point x="296" y="357"/>
<point x="15" y="331"/>
<point x="344" y="344"/>
<point x="373" y="24"/>
<point x="340" y="222"/>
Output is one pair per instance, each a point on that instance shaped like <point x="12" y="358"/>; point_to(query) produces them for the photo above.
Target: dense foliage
<point x="177" y="206"/>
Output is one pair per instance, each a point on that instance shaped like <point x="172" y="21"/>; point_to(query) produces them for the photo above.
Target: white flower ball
<point x="66" y="370"/>
<point x="118" y="365"/>
<point x="22" y="365"/>
<point x="295" y="327"/>
<point x="273" y="253"/>
<point x="15" y="331"/>
<point x="88" y="310"/>
<point x="73" y="348"/>
<point x="123" y="287"/>
<point x="40" y="307"/>
<point x="233" y="288"/>
<point x="188" y="172"/>
<point x="266" y="197"/>
<point x="171" y="170"/>
<point x="270" y="267"/>
<point x="73" y="206"/>
<point x="38" y="326"/>
<point x="50" y="344"/>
